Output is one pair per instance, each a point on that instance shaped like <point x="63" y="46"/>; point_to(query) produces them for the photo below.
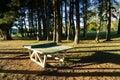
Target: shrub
<point x="92" y="27"/>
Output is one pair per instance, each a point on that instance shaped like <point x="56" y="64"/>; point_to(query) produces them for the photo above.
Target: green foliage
<point x="4" y="6"/>
<point x="104" y="26"/>
<point x="115" y="25"/>
<point x="14" y="5"/>
<point x="92" y="27"/>
<point x="8" y="15"/>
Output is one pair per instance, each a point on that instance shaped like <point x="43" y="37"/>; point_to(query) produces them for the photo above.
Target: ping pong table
<point x="40" y="52"/>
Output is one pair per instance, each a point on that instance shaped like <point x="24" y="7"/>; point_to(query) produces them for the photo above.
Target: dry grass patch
<point x="87" y="61"/>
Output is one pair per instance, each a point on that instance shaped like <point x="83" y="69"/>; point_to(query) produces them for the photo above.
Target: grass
<point x="87" y="61"/>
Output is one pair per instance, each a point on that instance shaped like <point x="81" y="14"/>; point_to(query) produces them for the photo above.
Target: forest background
<point x="59" y="20"/>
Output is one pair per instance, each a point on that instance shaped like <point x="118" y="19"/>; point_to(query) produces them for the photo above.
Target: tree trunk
<point x="69" y="22"/>
<point x="119" y="21"/>
<point x="72" y="18"/>
<point x="54" y="22"/>
<point x="85" y="20"/>
<point x="99" y="25"/>
<point x="38" y="22"/>
<point x="66" y="21"/>
<point x="30" y="22"/>
<point x="25" y="27"/>
<point x="108" y="34"/>
<point x="118" y="32"/>
<point x="68" y="30"/>
<point x="85" y="29"/>
<point x="98" y="32"/>
<point x="71" y="26"/>
<point x="48" y="17"/>
<point x="77" y="27"/>
<point x="60" y="16"/>
<point x="6" y="33"/>
<point x="45" y="31"/>
<point x="58" y="31"/>
<point x="1" y="34"/>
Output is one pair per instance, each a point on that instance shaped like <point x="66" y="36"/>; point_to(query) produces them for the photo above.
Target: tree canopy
<point x="57" y="19"/>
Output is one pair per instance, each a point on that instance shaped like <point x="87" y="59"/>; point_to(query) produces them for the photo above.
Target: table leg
<point x="36" y="57"/>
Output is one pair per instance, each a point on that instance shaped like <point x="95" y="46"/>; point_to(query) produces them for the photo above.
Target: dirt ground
<point x="16" y="65"/>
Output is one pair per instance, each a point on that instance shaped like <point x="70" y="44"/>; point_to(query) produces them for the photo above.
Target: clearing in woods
<point x="87" y="61"/>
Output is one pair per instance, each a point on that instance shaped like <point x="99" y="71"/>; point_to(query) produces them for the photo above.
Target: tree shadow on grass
<point x="7" y="52"/>
<point x="62" y="74"/>
<point x="13" y="55"/>
<point x="100" y="51"/>
<point x="101" y="57"/>
<point x="98" y="57"/>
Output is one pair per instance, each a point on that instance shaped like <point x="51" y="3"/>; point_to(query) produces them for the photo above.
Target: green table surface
<point x="51" y="50"/>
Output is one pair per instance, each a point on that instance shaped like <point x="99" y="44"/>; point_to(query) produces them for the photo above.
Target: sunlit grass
<point x="86" y="47"/>
<point x="88" y="57"/>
